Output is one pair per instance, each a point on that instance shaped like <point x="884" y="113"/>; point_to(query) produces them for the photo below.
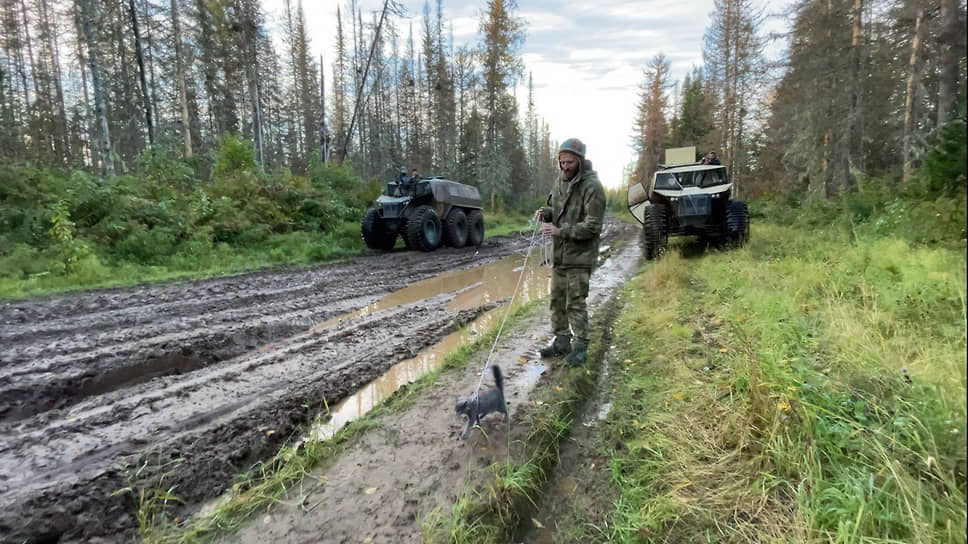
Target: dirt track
<point x="187" y="385"/>
<point x="402" y="477"/>
<point x="199" y="379"/>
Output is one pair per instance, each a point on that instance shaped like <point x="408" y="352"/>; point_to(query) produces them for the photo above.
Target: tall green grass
<point x="809" y="387"/>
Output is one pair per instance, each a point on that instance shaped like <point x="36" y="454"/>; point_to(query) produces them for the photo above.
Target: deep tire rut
<point x="188" y="384"/>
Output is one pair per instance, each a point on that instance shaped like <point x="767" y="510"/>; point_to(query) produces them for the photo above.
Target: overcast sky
<point x="587" y="58"/>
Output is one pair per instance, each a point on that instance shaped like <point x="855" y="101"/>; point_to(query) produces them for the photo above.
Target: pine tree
<point x="732" y="54"/>
<point x="502" y="34"/>
<point x="104" y="148"/>
<point x="651" y="126"/>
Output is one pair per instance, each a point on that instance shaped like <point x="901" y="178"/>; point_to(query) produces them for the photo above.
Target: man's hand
<point x="549" y="229"/>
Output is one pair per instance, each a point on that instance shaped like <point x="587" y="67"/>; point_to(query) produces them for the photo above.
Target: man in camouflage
<point x="573" y="218"/>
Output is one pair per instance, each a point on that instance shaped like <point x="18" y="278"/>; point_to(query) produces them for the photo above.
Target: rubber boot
<point x="578" y="354"/>
<point x="560" y="346"/>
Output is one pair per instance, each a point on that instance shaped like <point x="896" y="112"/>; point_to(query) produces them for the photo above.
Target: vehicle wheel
<point x="455" y="232"/>
<point x="375" y="233"/>
<point x="404" y="237"/>
<point x="655" y="231"/>
<point x="475" y="228"/>
<point x="424" y="229"/>
<point x="737" y="223"/>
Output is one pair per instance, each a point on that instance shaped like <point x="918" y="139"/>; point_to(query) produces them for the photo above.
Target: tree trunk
<point x="62" y="140"/>
<point x="256" y="113"/>
<point x="180" y="76"/>
<point x="16" y="52"/>
<point x="152" y="82"/>
<point x="825" y="188"/>
<point x="99" y="111"/>
<point x="33" y="71"/>
<point x="323" y="134"/>
<point x="89" y="127"/>
<point x="362" y="82"/>
<point x="295" y="139"/>
<point x="951" y="18"/>
<point x="146" y="99"/>
<point x="736" y="113"/>
<point x="855" y="138"/>
<point x="909" y="113"/>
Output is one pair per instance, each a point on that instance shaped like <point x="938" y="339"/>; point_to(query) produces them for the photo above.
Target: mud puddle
<point x="474" y="287"/>
<point x="515" y="280"/>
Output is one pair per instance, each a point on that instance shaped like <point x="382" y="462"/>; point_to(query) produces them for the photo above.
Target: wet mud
<point x="186" y="385"/>
<point x="193" y="381"/>
<point x="403" y="477"/>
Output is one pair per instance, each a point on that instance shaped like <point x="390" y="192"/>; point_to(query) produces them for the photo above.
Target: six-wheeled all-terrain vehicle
<point x="690" y="199"/>
<point x="425" y="213"/>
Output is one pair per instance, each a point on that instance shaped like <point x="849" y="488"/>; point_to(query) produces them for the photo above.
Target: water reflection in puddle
<point x="475" y="287"/>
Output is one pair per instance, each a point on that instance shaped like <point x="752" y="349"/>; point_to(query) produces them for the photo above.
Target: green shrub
<point x="148" y="246"/>
<point x="234" y="155"/>
<point x="944" y="168"/>
<point x="162" y="167"/>
<point x="879" y="208"/>
<point x="23" y="261"/>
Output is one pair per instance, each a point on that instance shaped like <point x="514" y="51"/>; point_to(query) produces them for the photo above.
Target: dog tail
<point x="498" y="378"/>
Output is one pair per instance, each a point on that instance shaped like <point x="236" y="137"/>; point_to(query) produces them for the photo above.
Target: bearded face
<point x="569" y="164"/>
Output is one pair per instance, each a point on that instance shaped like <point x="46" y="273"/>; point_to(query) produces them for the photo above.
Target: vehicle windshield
<point x="698" y="178"/>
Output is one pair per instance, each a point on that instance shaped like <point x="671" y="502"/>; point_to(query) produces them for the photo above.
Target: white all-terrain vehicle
<point x="691" y="199"/>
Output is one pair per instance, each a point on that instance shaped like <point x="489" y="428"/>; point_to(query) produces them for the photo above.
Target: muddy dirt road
<point x="189" y="384"/>
<point x="403" y="477"/>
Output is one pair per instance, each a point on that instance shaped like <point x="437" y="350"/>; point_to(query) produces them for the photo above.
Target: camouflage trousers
<point x="569" y="289"/>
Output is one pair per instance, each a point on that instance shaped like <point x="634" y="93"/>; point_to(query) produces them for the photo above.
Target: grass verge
<point x="507" y="224"/>
<point x="807" y="388"/>
<point x="293" y="249"/>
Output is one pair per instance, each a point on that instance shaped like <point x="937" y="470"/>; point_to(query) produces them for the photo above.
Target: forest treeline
<point x="864" y="89"/>
<point x="90" y="84"/>
<point x="176" y="134"/>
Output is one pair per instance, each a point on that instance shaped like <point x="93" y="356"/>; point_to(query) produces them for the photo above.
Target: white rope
<point x="524" y="268"/>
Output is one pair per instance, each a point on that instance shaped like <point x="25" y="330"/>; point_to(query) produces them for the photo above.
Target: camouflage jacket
<point x="578" y="209"/>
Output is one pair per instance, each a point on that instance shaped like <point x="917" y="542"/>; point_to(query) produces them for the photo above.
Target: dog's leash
<point x="524" y="267"/>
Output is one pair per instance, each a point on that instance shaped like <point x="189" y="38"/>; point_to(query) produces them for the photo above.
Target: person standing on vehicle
<point x="403" y="182"/>
<point x="710" y="158"/>
<point x="573" y="218"/>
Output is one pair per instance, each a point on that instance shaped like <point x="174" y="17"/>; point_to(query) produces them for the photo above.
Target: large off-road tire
<point x="375" y="232"/>
<point x="475" y="228"/>
<point x="455" y="230"/>
<point x="737" y="228"/>
<point x="424" y="229"/>
<point x="655" y="231"/>
<point x="404" y="237"/>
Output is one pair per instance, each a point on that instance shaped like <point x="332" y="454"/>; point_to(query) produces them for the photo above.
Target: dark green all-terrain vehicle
<point x="426" y="214"/>
<point x="692" y="199"/>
